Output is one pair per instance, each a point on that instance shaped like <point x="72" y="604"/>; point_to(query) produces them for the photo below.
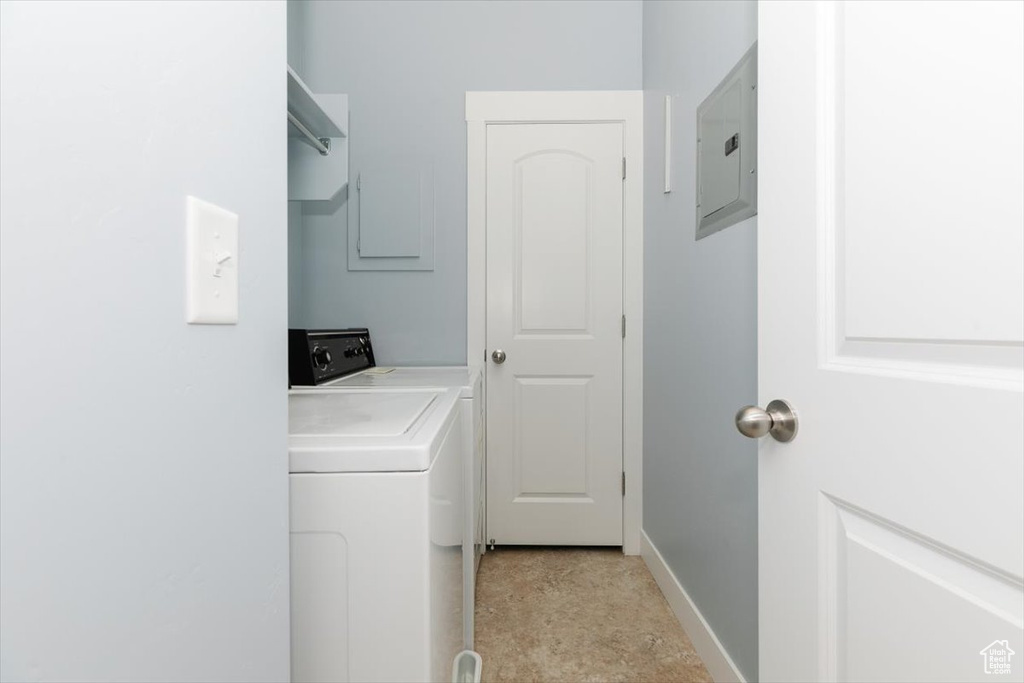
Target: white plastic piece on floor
<point x="466" y="667"/>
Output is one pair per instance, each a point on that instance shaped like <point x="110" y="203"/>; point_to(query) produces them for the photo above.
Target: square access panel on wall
<point x="391" y="222"/>
<point x="727" y="150"/>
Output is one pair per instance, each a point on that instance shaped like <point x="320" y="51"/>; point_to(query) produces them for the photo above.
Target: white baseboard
<point x="715" y="657"/>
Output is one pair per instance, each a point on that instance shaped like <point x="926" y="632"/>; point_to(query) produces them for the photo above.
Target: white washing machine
<point x="377" y="524"/>
<point x="349" y="353"/>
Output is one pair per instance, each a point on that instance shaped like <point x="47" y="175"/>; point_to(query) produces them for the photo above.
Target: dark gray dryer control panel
<point x="318" y="356"/>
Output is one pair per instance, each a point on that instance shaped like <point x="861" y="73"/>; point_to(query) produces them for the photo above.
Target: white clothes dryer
<point x="469" y="383"/>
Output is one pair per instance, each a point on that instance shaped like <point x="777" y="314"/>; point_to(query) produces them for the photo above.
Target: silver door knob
<point x="779" y="420"/>
<point x="498" y="356"/>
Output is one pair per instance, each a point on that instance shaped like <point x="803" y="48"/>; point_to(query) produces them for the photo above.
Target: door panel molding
<point x="956" y="583"/>
<point x="569" y="483"/>
<point x="536" y="255"/>
<point x="625" y="107"/>
<point x="874" y="321"/>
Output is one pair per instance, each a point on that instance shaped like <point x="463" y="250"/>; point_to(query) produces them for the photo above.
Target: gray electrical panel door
<point x="727" y="150"/>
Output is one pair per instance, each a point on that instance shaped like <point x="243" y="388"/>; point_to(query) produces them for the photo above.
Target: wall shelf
<point x="317" y="142"/>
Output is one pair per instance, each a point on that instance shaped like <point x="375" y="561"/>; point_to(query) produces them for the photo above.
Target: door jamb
<point x="612" y="106"/>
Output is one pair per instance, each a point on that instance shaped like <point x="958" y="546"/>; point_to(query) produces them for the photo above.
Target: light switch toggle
<point x="212" y="264"/>
<point x="220" y="258"/>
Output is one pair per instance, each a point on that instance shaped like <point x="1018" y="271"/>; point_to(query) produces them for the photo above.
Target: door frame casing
<point x="605" y="106"/>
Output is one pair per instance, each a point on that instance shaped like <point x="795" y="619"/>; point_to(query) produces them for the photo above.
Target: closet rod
<point x="322" y="145"/>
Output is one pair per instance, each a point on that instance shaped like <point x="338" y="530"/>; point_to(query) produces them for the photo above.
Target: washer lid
<point x="363" y="414"/>
<point x="356" y="430"/>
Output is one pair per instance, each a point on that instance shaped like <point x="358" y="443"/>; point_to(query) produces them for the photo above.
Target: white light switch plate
<point x="212" y="256"/>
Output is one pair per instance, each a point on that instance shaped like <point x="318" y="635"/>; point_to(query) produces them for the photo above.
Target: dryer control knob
<point x="321" y="358"/>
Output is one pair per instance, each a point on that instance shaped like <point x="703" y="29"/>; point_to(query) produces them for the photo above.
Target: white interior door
<point x="554" y="307"/>
<point x="892" y="318"/>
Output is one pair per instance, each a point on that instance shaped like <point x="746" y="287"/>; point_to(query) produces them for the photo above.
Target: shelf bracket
<point x="322" y="145"/>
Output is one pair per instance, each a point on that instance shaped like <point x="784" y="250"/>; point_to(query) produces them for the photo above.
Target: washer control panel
<point x="318" y="356"/>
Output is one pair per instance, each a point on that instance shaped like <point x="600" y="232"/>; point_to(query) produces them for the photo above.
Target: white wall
<point x="143" y="465"/>
<point x="700" y="335"/>
<point x="406" y="67"/>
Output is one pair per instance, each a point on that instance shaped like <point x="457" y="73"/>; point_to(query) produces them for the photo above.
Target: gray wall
<point x="700" y="335"/>
<point x="406" y="67"/>
<point x="296" y="27"/>
<point x="143" y="461"/>
<point x="296" y="290"/>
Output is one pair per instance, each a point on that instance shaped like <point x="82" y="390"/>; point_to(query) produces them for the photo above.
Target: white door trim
<point x="625" y="106"/>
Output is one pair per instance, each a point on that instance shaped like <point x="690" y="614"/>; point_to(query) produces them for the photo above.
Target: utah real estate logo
<point x="997" y="657"/>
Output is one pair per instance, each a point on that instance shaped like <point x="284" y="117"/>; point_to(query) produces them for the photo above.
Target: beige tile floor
<point x="577" y="614"/>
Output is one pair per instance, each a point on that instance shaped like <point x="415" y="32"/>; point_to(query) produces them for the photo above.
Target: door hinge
<point x="623" y="168"/>
<point x="623" y="325"/>
<point x="623" y="483"/>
